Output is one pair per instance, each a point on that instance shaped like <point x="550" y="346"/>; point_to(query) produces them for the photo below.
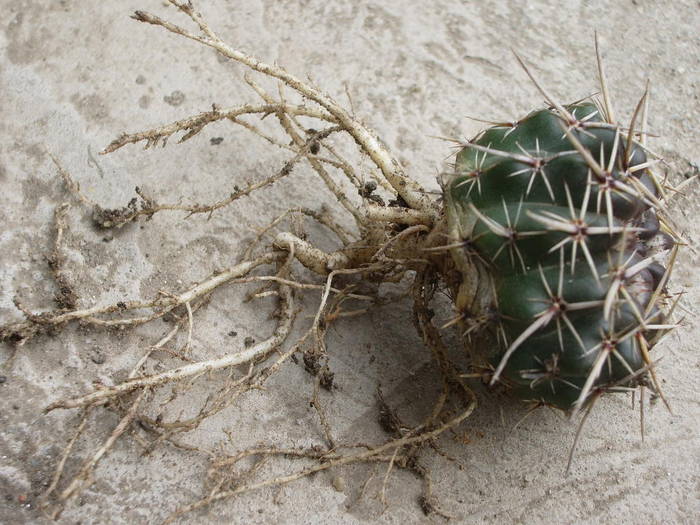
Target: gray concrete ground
<point x="73" y="75"/>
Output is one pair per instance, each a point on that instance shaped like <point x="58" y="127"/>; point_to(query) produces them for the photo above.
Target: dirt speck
<point x="97" y="356"/>
<point x="92" y="107"/>
<point x="175" y="98"/>
<point x="34" y="189"/>
<point x="25" y="39"/>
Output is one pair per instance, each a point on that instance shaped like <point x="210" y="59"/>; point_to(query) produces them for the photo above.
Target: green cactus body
<point x="552" y="212"/>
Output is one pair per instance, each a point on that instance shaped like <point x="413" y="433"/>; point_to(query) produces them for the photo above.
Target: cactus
<point x="558" y="215"/>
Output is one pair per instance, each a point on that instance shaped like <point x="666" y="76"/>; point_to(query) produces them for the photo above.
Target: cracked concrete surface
<point x="73" y="75"/>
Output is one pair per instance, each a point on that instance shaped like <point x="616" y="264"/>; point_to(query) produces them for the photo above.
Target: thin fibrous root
<point x="330" y="461"/>
<point x="401" y="450"/>
<point x="254" y="352"/>
<point x="84" y="477"/>
<point x="194" y="124"/>
<point x="35" y="324"/>
<point x="147" y="207"/>
<point x="388" y="164"/>
<point x="66" y="298"/>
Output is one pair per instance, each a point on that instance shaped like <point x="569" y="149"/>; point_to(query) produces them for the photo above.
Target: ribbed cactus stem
<point x="559" y="212"/>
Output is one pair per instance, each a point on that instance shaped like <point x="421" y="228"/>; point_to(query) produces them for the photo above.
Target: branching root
<point x="387" y="243"/>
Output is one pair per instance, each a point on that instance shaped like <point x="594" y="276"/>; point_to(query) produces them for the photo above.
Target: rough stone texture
<point x="73" y="76"/>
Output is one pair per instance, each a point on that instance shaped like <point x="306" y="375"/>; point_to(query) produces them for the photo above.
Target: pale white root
<point x="195" y="369"/>
<point x="390" y="167"/>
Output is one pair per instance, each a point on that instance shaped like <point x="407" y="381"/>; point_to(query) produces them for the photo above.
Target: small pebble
<point x="248" y="341"/>
<point x="215" y="141"/>
<point x="338" y="483"/>
<point x="3" y="379"/>
<point x="232" y="333"/>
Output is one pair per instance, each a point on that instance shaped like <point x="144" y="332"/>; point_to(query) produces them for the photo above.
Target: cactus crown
<point x="558" y="211"/>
